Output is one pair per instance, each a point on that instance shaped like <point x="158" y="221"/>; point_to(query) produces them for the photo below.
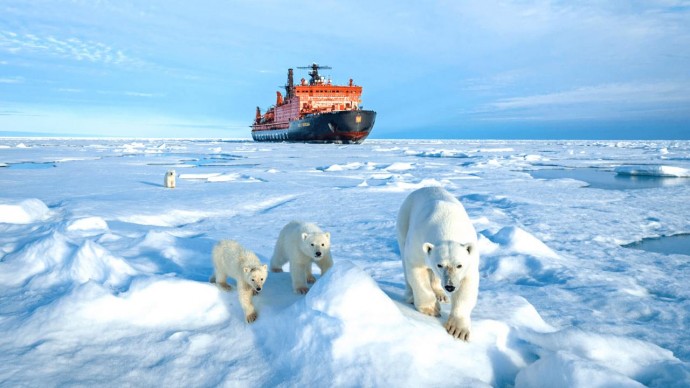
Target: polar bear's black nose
<point x="318" y="254"/>
<point x="450" y="288"/>
<point x="258" y="288"/>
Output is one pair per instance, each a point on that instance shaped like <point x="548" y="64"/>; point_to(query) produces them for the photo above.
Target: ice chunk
<point x="652" y="170"/>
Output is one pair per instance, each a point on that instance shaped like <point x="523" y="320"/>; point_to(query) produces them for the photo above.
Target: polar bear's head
<point x="256" y="276"/>
<point x="316" y="245"/>
<point x="450" y="261"/>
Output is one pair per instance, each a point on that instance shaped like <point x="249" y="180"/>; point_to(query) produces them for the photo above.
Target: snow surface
<point x="104" y="272"/>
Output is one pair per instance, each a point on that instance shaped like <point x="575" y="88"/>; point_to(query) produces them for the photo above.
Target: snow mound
<point x="92" y="311"/>
<point x="92" y="262"/>
<point x="520" y="241"/>
<point x="205" y="176"/>
<point x="589" y="359"/>
<point x="399" y="166"/>
<point x="514" y="254"/>
<point x="349" y="327"/>
<point x="87" y="224"/>
<point x="53" y="259"/>
<point x="438" y="154"/>
<point x="348" y="294"/>
<point x="342" y="167"/>
<point x="170" y="218"/>
<point x="38" y="257"/>
<point x="564" y="370"/>
<point x="158" y="303"/>
<point x="25" y="212"/>
<point x="650" y="170"/>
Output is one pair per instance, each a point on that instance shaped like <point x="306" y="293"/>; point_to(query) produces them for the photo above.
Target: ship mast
<point x="314" y="73"/>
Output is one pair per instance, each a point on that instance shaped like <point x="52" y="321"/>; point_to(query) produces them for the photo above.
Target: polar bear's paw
<point x="301" y="290"/>
<point x="434" y="311"/>
<point x="252" y="317"/>
<point x="311" y="279"/>
<point x="458" y="328"/>
<point x="441" y="297"/>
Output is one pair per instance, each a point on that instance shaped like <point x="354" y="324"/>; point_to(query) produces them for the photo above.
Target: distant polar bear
<point x="233" y="260"/>
<point x="169" y="180"/>
<point x="301" y="244"/>
<point x="438" y="246"/>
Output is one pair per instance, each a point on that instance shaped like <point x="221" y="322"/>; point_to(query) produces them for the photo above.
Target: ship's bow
<point x="344" y="126"/>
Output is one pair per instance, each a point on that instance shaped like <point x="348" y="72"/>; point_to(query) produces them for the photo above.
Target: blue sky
<point x="437" y="69"/>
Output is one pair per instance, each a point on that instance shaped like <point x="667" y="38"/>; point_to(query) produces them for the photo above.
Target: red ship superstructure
<point x="315" y="111"/>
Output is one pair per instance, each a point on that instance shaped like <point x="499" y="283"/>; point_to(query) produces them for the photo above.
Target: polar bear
<point x="233" y="260"/>
<point x="301" y="244"/>
<point x="438" y="247"/>
<point x="169" y="180"/>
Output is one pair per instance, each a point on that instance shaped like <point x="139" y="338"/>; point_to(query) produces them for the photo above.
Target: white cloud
<point x="613" y="101"/>
<point x="70" y="48"/>
<point x="12" y="80"/>
<point x="618" y="93"/>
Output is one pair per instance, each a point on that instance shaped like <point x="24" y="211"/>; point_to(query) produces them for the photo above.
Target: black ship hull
<point x="334" y="127"/>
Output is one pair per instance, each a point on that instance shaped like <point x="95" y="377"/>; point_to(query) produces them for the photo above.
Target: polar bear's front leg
<point x="424" y="298"/>
<point x="463" y="301"/>
<point x="310" y="277"/>
<point x="325" y="264"/>
<point x="436" y="286"/>
<point x="245" y="293"/>
<point x="298" y="272"/>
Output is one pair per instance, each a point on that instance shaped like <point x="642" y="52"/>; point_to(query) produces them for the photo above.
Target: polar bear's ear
<point x="247" y="269"/>
<point x="427" y="247"/>
<point x="304" y="236"/>
<point x="470" y="248"/>
<point x="328" y="235"/>
<point x="264" y="267"/>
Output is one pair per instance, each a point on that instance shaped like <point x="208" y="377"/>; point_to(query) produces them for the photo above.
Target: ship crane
<point x="314" y="73"/>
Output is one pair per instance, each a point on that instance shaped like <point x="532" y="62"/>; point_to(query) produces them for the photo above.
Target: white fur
<point x="169" y="180"/>
<point x="302" y="244"/>
<point x="434" y="230"/>
<point x="233" y="260"/>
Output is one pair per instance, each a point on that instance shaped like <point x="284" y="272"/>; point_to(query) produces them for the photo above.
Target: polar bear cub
<point x="438" y="247"/>
<point x="233" y="260"/>
<point x="169" y="180"/>
<point x="302" y="244"/>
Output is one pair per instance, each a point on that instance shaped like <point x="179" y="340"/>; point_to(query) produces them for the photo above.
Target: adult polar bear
<point x="438" y="245"/>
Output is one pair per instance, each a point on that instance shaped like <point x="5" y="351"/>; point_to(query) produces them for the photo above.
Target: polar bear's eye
<point x="439" y="265"/>
<point x="459" y="266"/>
<point x="323" y="244"/>
<point x="312" y="244"/>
